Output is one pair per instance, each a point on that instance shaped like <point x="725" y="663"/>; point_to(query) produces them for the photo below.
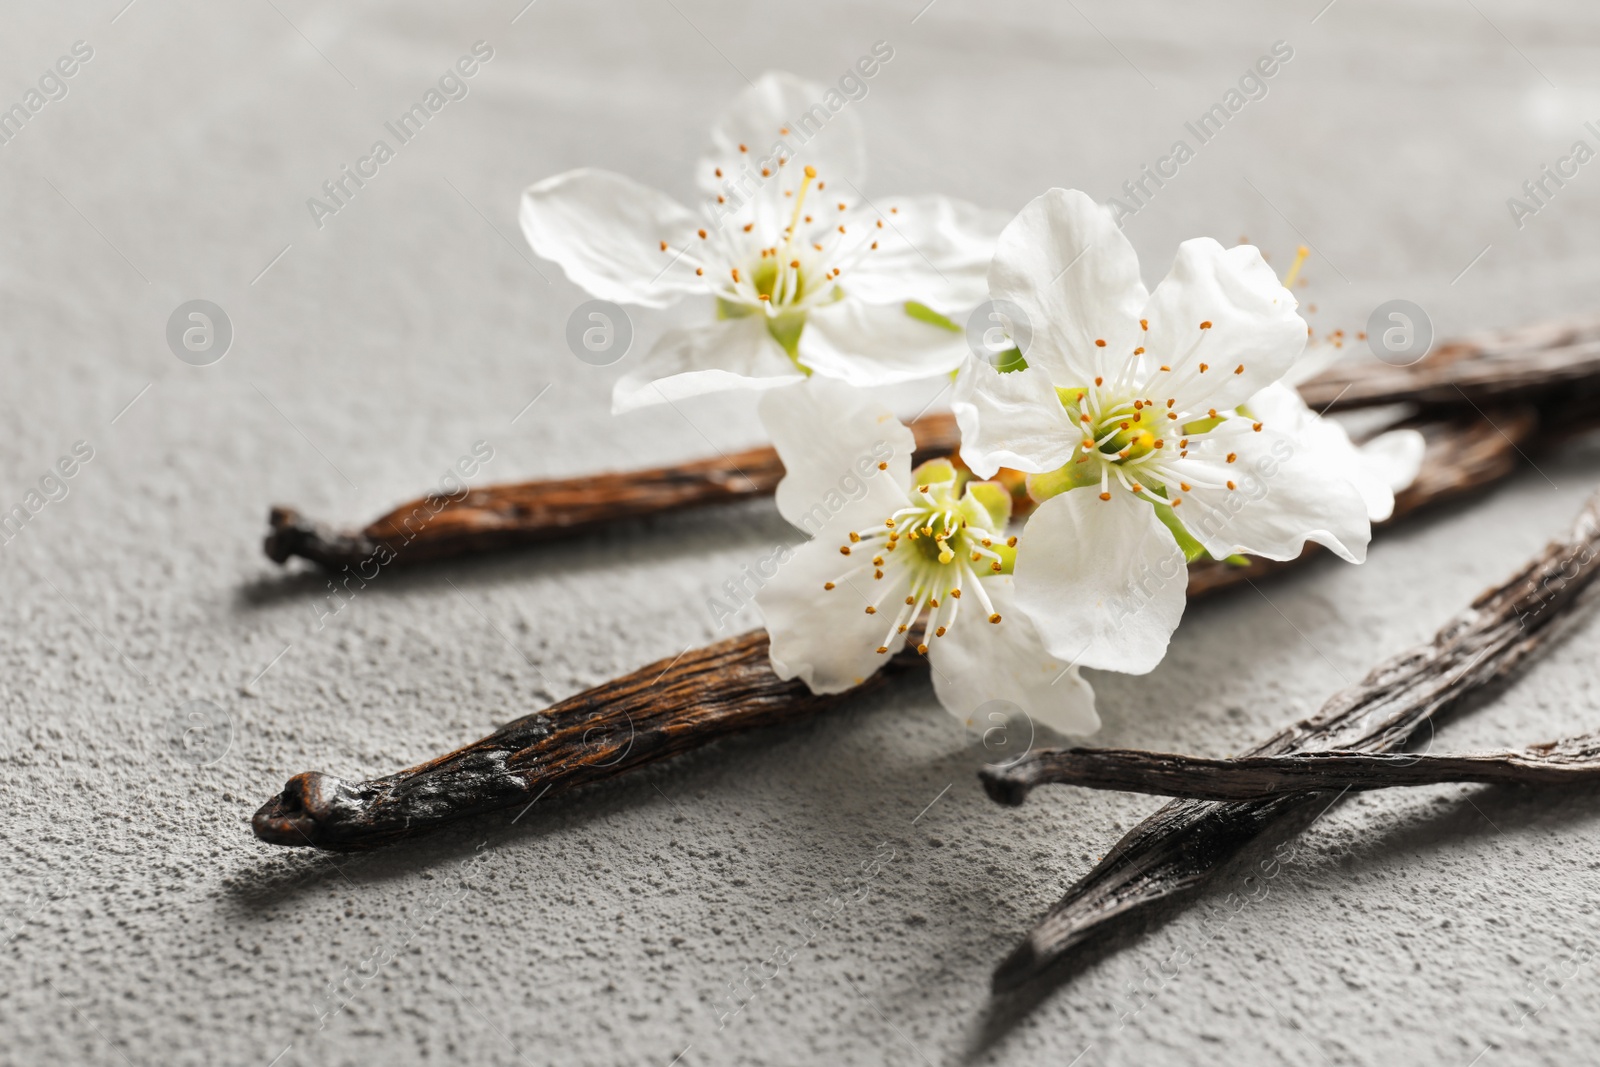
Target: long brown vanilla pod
<point x="1490" y="369"/>
<point x="1570" y="761"/>
<point x="657" y="711"/>
<point x="1533" y="364"/>
<point x="1186" y="841"/>
<point x="496" y="517"/>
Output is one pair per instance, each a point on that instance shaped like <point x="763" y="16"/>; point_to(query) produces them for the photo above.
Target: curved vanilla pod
<point x="656" y="712"/>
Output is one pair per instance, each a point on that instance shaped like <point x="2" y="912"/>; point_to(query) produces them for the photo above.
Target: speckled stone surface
<point x="142" y="922"/>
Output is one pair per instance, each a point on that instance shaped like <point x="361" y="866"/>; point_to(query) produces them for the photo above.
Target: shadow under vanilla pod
<point x="673" y="706"/>
<point x="1546" y="364"/>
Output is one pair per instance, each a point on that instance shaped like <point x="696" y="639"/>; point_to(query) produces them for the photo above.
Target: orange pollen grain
<point x="1206" y="325"/>
<point x="1098" y="343"/>
<point x="1232" y="456"/>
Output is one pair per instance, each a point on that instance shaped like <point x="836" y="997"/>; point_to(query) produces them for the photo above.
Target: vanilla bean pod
<point x="496" y="517"/>
<point x="656" y="712"/>
<point x="1532" y="364"/>
<point x="699" y="698"/>
<point x="1527" y="363"/>
<point x="1570" y="761"/>
<point x="1186" y="841"/>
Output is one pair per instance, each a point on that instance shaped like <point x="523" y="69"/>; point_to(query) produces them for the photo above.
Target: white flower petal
<point x="1103" y="580"/>
<point x="977" y="661"/>
<point x="871" y="344"/>
<point x="931" y="249"/>
<point x="1317" y="357"/>
<point x="1063" y="261"/>
<point x="1394" y="459"/>
<point x="717" y="357"/>
<point x="831" y="439"/>
<point x="1253" y="325"/>
<point x="825" y="637"/>
<point x="606" y="232"/>
<point x="1012" y="420"/>
<point x="1286" y="493"/>
<point x="819" y="135"/>
<point x="1281" y="408"/>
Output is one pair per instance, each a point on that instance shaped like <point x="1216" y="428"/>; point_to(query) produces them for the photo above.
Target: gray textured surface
<point x="143" y="924"/>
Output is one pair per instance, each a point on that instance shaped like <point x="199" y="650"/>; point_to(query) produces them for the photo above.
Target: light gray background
<point x="144" y="924"/>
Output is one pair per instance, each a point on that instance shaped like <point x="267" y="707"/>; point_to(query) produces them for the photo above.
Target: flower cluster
<point x="1143" y="429"/>
<point x="799" y="272"/>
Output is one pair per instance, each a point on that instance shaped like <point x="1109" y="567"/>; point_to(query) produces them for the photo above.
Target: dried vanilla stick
<point x="1570" y="761"/>
<point x="1182" y="844"/>
<point x="1533" y="364"/>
